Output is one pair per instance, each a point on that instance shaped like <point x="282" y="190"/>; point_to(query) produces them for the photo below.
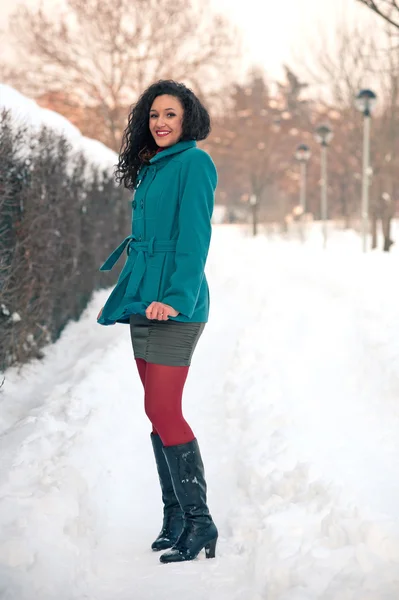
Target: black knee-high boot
<point x="172" y="513"/>
<point x="188" y="477"/>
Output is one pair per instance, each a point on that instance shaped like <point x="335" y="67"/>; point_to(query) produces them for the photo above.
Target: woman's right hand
<point x="160" y="311"/>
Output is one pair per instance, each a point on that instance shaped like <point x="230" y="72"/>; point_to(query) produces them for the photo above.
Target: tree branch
<point x="385" y="9"/>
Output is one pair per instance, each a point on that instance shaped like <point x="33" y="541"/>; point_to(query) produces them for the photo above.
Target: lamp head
<point x="365" y="101"/>
<point x="324" y="135"/>
<point x="302" y="153"/>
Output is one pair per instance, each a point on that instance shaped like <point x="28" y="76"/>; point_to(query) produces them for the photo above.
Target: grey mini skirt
<point x="170" y="343"/>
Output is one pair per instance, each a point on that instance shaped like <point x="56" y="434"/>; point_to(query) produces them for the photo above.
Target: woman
<point x="163" y="294"/>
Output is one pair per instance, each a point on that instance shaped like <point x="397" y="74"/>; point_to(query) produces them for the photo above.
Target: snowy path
<point x="293" y="393"/>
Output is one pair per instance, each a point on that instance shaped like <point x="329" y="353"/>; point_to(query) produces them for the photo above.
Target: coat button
<point x="140" y="238"/>
<point x="134" y="204"/>
<point x="142" y="204"/>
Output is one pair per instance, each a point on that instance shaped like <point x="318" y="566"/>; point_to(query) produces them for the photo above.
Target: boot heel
<point x="210" y="549"/>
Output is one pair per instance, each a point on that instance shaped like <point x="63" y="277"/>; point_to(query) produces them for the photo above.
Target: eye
<point x="152" y="116"/>
<point x="171" y="114"/>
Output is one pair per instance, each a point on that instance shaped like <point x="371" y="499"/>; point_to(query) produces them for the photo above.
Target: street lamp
<point x="302" y="155"/>
<point x="365" y="102"/>
<point x="324" y="135"/>
<point x="253" y="201"/>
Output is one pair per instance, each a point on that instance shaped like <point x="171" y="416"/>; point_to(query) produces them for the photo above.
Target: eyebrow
<point x="154" y="110"/>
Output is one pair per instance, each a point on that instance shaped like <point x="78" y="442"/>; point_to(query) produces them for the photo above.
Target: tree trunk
<point x="345" y="206"/>
<point x="386" y="230"/>
<point x="373" y="229"/>
<point x="255" y="219"/>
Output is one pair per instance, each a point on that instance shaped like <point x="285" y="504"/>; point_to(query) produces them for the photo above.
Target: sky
<point x="283" y="31"/>
<point x="274" y="32"/>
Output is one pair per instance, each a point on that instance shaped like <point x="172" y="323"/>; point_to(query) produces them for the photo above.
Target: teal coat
<point x="171" y="232"/>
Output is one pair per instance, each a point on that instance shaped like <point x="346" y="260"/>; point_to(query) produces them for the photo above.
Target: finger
<point x="156" y="310"/>
<point x="149" y="310"/>
<point x="154" y="313"/>
<point x="162" y="313"/>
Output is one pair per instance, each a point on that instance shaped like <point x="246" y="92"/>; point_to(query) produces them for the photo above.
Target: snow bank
<point x="27" y="111"/>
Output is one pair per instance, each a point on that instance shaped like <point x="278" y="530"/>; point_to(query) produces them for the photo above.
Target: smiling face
<point x="166" y="120"/>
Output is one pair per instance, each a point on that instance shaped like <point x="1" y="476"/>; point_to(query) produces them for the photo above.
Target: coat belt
<point x="141" y="249"/>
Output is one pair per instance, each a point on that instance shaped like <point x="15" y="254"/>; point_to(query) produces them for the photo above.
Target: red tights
<point x="163" y="391"/>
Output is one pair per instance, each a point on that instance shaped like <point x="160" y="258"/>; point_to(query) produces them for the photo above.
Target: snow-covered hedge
<point x="60" y="215"/>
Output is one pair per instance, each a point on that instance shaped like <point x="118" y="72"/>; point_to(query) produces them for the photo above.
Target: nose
<point x="160" y="122"/>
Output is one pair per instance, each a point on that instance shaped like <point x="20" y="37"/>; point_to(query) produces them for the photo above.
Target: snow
<point x="293" y="396"/>
<point x="26" y="111"/>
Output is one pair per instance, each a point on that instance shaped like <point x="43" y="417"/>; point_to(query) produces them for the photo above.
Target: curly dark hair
<point x="138" y="145"/>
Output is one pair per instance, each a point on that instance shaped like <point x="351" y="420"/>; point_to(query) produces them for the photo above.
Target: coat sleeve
<point x="198" y="184"/>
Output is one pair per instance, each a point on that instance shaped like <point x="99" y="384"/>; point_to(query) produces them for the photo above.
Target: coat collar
<point x="175" y="149"/>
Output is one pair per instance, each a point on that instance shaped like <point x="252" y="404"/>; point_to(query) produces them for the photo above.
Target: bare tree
<point x="338" y="66"/>
<point x="103" y="53"/>
<point x="291" y="90"/>
<point x="387" y="9"/>
<point x="253" y="145"/>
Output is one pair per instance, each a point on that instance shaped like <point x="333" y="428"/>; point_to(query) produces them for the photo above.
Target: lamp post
<point x="324" y="135"/>
<point x="365" y="102"/>
<point x="302" y="155"/>
<point x="253" y="201"/>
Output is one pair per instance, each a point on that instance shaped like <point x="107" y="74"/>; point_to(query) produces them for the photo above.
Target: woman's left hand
<point x="160" y="311"/>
